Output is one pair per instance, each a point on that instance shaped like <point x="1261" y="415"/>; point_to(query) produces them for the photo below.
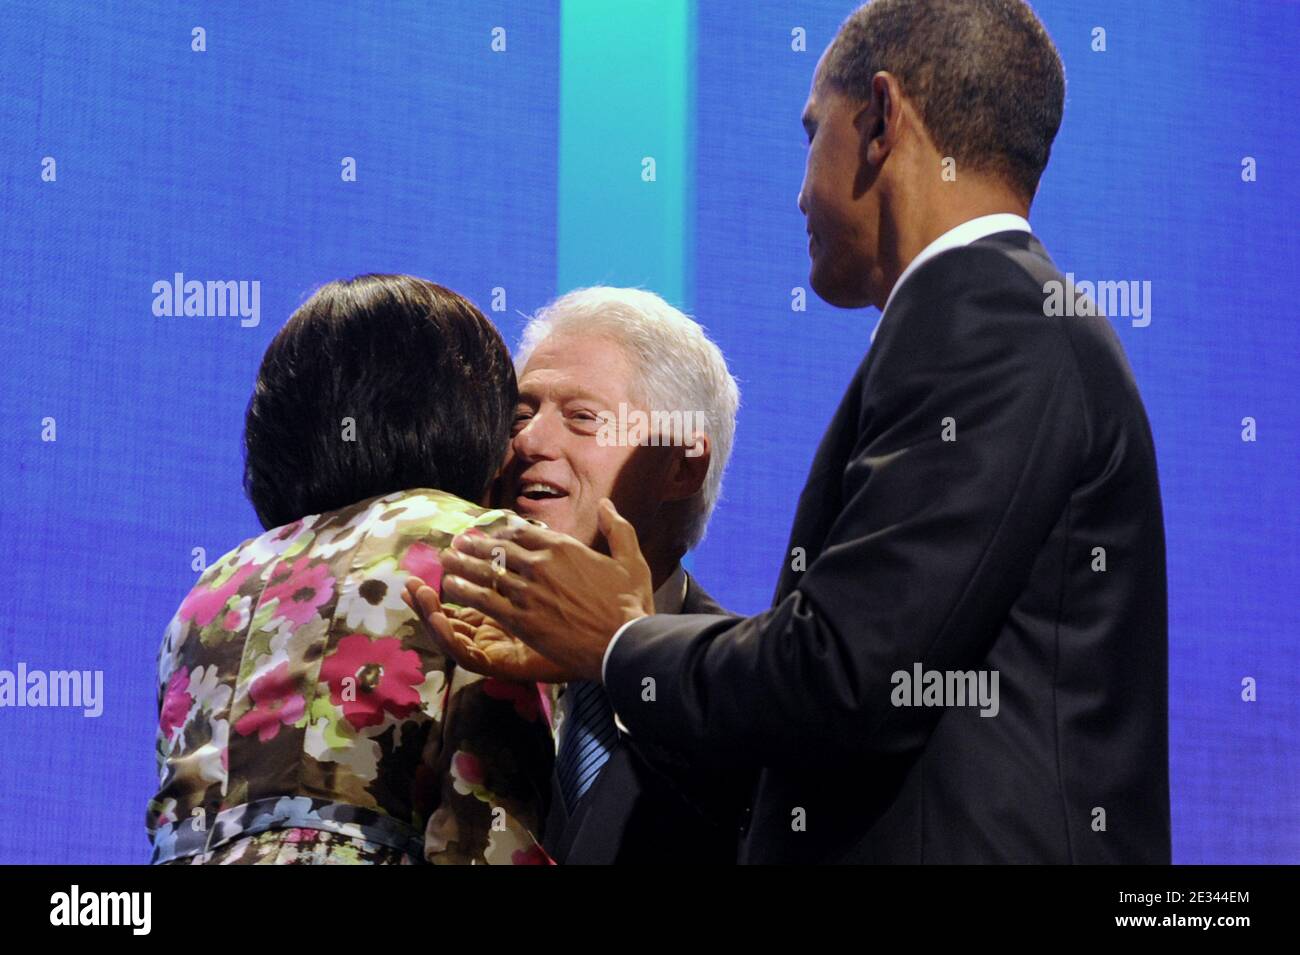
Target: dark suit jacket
<point x="979" y="553"/>
<point x="636" y="813"/>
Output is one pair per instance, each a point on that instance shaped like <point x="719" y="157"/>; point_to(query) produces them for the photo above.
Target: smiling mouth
<point x="538" y="493"/>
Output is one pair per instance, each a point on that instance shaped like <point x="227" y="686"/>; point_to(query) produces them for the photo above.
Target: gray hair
<point x="676" y="366"/>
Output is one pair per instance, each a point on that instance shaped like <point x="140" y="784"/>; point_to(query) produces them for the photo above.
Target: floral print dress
<point x="306" y="716"/>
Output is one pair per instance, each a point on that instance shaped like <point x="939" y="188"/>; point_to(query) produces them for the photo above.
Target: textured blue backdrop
<point x="225" y="165"/>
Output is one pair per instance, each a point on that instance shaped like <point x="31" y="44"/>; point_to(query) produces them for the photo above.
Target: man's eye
<point x="586" y="420"/>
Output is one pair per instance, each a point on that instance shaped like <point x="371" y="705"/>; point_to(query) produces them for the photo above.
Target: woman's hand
<point x="477" y="642"/>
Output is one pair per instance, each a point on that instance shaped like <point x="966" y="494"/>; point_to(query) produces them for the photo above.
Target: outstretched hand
<point x="555" y="594"/>
<point x="477" y="642"/>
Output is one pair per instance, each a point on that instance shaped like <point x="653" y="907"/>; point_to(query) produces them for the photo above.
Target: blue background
<point x="225" y="165"/>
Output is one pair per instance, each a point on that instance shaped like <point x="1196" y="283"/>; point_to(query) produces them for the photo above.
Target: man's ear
<point x="879" y="120"/>
<point x="689" y="469"/>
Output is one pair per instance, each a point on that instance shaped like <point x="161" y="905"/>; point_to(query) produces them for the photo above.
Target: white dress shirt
<point x="964" y="234"/>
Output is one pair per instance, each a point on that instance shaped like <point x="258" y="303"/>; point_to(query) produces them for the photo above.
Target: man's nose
<point x="537" y="439"/>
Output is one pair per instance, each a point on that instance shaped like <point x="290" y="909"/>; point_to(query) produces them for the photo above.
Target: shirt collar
<point x="671" y="594"/>
<point x="969" y="231"/>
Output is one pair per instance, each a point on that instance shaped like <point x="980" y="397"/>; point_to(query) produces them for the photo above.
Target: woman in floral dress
<point x="304" y="714"/>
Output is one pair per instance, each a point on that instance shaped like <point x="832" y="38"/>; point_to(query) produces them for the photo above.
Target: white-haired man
<point x="623" y="396"/>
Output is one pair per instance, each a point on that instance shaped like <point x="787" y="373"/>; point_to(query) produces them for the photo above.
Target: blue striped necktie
<point x="586" y="736"/>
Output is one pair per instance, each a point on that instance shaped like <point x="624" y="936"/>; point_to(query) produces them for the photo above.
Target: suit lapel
<point x="820" y="501"/>
<point x="698" y="600"/>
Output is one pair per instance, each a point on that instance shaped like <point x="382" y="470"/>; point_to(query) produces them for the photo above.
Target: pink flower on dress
<point x="236" y="618"/>
<point x="380" y="676"/>
<point x="277" y="702"/>
<point x="176" y="702"/>
<point x="421" y="560"/>
<point x="467" y="767"/>
<point x="204" y="603"/>
<point x="525" y="696"/>
<point x="302" y="588"/>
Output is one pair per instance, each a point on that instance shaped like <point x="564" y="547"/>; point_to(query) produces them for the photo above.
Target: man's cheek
<point x="585" y="529"/>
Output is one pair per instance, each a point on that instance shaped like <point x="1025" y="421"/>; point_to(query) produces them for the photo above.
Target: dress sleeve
<point x="495" y="771"/>
<point x="494" y="761"/>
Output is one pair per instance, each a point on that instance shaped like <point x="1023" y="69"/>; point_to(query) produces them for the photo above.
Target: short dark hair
<point x="984" y="75"/>
<point x="424" y="375"/>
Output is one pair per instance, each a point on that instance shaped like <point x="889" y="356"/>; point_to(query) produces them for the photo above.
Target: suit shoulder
<point x="973" y="306"/>
<point x="977" y="274"/>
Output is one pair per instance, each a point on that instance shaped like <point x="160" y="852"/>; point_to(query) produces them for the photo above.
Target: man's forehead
<point x="816" y="92"/>
<point x="556" y="381"/>
<point x="558" y="373"/>
<point x="819" y="73"/>
<point x="573" y="349"/>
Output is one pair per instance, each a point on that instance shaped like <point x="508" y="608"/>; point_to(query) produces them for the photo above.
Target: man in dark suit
<point x="965" y="660"/>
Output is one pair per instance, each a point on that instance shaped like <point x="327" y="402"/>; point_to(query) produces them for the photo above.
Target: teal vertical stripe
<point x="626" y="92"/>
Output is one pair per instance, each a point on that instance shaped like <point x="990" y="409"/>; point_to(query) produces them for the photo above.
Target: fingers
<point x="618" y="532"/>
<point x="423" y="599"/>
<point x="455" y="613"/>
<point x="458" y="645"/>
<point x="483" y="599"/>
<point x="492" y="569"/>
<point x="499" y="551"/>
<point x="431" y="610"/>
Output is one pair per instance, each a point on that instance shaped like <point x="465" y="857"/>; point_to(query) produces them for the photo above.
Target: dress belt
<point x="191" y="836"/>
